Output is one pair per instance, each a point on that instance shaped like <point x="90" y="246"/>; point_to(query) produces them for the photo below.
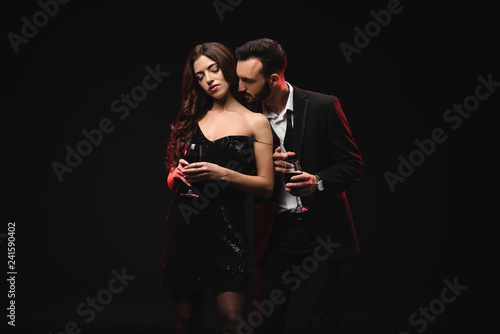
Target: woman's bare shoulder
<point x="255" y="118"/>
<point x="258" y="124"/>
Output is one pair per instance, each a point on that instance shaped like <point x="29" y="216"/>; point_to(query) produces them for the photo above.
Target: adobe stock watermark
<point x="222" y="6"/>
<point x="88" y="308"/>
<point x="295" y="275"/>
<point x="436" y="306"/>
<point x="30" y="28"/>
<point x="372" y="29"/>
<point x="454" y="118"/>
<point x="210" y="191"/>
<point x="121" y="107"/>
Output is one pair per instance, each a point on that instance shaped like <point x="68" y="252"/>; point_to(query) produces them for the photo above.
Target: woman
<point x="205" y="246"/>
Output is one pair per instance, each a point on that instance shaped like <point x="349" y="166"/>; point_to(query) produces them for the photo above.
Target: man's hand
<point x="279" y="165"/>
<point x="302" y="185"/>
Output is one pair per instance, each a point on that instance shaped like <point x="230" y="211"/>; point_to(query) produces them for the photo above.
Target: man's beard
<point x="261" y="95"/>
<point x="264" y="92"/>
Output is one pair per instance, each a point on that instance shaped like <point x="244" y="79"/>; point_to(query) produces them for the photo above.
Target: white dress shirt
<point x="286" y="201"/>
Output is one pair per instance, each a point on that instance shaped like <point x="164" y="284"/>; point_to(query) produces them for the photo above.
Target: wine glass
<point x="293" y="168"/>
<point x="193" y="153"/>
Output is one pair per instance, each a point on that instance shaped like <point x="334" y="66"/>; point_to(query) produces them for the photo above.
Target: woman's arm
<point x="260" y="185"/>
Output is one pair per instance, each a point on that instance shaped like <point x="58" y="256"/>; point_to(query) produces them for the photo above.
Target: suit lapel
<point x="300" y="108"/>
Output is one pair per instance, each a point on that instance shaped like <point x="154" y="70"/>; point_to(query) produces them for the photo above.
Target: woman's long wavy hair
<point x="195" y="101"/>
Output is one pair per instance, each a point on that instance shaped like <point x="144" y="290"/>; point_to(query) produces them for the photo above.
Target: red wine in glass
<point x="192" y="153"/>
<point x="293" y="167"/>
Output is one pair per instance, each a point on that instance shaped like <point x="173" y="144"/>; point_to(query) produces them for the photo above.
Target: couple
<point x="205" y="246"/>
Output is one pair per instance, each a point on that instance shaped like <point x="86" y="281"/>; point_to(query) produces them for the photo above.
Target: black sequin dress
<point x="205" y="246"/>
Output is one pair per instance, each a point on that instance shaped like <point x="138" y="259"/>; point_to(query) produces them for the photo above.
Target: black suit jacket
<point x="325" y="147"/>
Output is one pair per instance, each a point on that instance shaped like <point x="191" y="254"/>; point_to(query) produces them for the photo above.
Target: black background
<point x="441" y="223"/>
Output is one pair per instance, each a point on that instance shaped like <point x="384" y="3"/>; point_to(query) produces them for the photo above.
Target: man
<point x="292" y="248"/>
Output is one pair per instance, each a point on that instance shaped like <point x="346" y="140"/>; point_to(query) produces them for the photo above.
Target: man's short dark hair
<point x="269" y="52"/>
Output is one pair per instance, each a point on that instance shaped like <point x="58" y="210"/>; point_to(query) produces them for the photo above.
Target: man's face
<point x="253" y="86"/>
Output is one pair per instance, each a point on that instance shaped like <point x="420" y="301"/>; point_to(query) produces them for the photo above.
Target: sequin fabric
<point x="205" y="246"/>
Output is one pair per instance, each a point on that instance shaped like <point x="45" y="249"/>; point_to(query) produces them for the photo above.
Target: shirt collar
<point x="288" y="106"/>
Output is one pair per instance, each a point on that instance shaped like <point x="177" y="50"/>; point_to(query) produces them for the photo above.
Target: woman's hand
<point x="204" y="171"/>
<point x="177" y="172"/>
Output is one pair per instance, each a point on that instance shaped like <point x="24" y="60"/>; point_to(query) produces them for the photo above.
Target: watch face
<point x="320" y="185"/>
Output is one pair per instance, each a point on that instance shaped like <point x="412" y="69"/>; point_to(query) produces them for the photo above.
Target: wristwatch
<point x="319" y="183"/>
